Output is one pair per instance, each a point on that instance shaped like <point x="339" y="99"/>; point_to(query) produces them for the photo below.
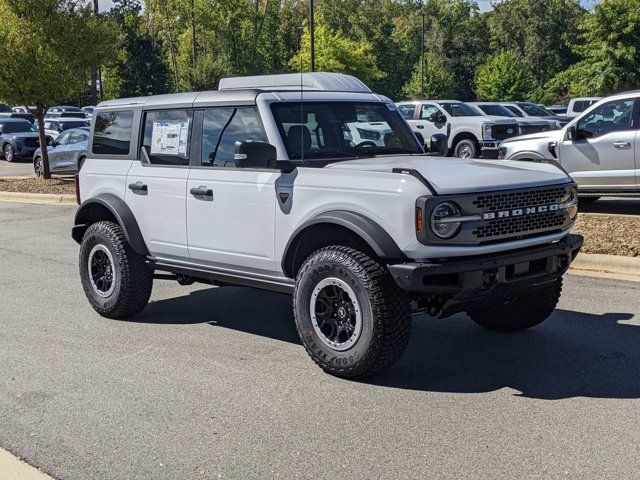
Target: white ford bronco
<point x="264" y="184"/>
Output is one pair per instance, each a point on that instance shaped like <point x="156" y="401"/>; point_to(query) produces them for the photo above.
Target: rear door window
<point x="167" y="136"/>
<point x="112" y="133"/>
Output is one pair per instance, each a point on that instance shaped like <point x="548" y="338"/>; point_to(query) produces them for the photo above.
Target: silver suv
<point x="314" y="186"/>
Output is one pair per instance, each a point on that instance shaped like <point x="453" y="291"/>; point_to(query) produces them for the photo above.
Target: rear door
<point x="157" y="183"/>
<point x="230" y="211"/>
<point x="58" y="160"/>
<point x="603" y="156"/>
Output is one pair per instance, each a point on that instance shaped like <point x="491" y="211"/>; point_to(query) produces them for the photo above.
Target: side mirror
<point x="572" y="133"/>
<point x="54" y="143"/>
<point x="254" y="154"/>
<point x="434" y="117"/>
<point x="439" y="145"/>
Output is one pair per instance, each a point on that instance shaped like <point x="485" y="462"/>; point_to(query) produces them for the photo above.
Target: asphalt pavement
<point x="212" y="383"/>
<point x="19" y="168"/>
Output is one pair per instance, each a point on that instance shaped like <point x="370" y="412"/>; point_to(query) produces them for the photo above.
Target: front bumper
<point x="489" y="148"/>
<point x="469" y="280"/>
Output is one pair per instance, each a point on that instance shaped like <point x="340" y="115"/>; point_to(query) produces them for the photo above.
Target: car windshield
<point x="534" y="110"/>
<point x="342" y="130"/>
<point x="18" y="127"/>
<point x="497" y="110"/>
<point x="68" y="125"/>
<point x="460" y="110"/>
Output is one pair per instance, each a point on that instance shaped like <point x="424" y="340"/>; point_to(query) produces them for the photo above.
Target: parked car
<point x="88" y="111"/>
<point x="470" y="133"/>
<point x="18" y="138"/>
<point x="578" y="105"/>
<point x="24" y="116"/>
<point x="557" y="109"/>
<point x="598" y="148"/>
<point x="20" y="110"/>
<point x="258" y="184"/>
<point x="527" y="125"/>
<point x="52" y="115"/>
<point x="64" y="108"/>
<point x="55" y="126"/>
<point x="66" y="154"/>
<point x="4" y="107"/>
<point x="531" y="110"/>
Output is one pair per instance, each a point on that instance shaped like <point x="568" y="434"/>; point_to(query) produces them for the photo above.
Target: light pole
<point x="422" y="55"/>
<point x="312" y="28"/>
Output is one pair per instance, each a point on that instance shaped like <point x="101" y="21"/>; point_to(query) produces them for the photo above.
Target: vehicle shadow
<point x="612" y="205"/>
<point x="571" y="354"/>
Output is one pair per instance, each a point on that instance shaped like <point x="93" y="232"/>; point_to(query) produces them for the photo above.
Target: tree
<point x="63" y="40"/>
<point x="337" y="53"/>
<point x="610" y="53"/>
<point x="504" y="77"/>
<point x="439" y="81"/>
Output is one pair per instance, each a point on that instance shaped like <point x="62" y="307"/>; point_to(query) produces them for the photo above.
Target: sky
<point x="485" y="5"/>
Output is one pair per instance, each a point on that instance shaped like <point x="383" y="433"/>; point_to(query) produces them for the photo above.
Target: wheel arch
<point x="338" y="227"/>
<point x="463" y="135"/>
<point x="108" y="207"/>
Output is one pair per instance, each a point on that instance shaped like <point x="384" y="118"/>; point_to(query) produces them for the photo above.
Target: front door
<point x="602" y="156"/>
<point x="156" y="185"/>
<point x="424" y="121"/>
<point x="230" y="211"/>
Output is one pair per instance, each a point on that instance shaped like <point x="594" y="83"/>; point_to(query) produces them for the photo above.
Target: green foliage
<point x="439" y="81"/>
<point x="610" y="52"/>
<point x="336" y="53"/>
<point x="504" y="77"/>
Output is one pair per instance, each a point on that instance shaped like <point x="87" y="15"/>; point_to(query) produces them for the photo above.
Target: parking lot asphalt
<point x="212" y="383"/>
<point x="19" y="168"/>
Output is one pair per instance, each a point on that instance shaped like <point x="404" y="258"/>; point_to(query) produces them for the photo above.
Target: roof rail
<point x="323" y="81"/>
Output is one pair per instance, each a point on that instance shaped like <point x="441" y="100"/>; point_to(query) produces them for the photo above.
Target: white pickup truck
<point x="470" y="133"/>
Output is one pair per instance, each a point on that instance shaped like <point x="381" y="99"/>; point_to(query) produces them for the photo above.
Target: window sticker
<point x="170" y="138"/>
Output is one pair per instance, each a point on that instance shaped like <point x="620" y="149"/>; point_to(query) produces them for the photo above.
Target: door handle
<point x="201" y="191"/>
<point x="138" y="187"/>
<point x="621" y="145"/>
<point x="420" y="126"/>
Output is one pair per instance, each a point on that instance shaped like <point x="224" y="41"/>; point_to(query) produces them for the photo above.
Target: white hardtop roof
<point x="322" y="81"/>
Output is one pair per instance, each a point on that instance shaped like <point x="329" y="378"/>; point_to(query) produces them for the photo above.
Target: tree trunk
<point x="193" y="34"/>
<point x="41" y="110"/>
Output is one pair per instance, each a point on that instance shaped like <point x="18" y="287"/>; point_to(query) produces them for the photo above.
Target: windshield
<point x="534" y="110"/>
<point x="336" y="130"/>
<point x="68" y="125"/>
<point x="18" y="127"/>
<point x="497" y="110"/>
<point x="460" y="110"/>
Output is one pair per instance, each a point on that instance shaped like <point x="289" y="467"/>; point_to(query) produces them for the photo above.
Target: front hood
<point x="489" y="119"/>
<point x="455" y="175"/>
<point x="549" y="136"/>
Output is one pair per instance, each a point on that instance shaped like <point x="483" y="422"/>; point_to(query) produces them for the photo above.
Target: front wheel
<point x="351" y="316"/>
<point x="466" y="148"/>
<point x="38" y="168"/>
<point x="116" y="280"/>
<point x="9" y="153"/>
<point x="521" y="311"/>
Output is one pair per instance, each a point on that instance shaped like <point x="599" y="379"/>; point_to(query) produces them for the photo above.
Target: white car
<point x="54" y="126"/>
<point x="470" y="133"/>
<point x="261" y="184"/>
<point x="527" y="124"/>
<point x="578" y="105"/>
<point x="599" y="148"/>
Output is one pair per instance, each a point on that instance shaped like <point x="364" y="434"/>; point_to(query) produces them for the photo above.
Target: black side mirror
<point x="438" y="145"/>
<point x="434" y="117"/>
<point x="54" y="143"/>
<point x="572" y="133"/>
<point x="254" y="154"/>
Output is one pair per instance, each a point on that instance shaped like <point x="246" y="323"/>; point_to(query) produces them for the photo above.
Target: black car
<point x="19" y="138"/>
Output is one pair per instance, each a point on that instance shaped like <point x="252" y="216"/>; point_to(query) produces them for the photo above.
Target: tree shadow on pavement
<point x="571" y="354"/>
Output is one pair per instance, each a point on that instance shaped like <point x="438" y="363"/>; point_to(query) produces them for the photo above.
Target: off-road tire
<point x="519" y="313"/>
<point x="386" y="319"/>
<point x="466" y="143"/>
<point x="133" y="279"/>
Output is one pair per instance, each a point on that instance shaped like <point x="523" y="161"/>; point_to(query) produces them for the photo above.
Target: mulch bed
<point x="609" y="235"/>
<point x="37" y="185"/>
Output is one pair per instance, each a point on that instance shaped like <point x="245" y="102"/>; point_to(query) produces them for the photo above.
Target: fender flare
<point x="121" y="212"/>
<point x="373" y="234"/>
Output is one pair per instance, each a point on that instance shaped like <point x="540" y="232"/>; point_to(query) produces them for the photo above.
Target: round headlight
<point x="443" y="219"/>
<point x="572" y="203"/>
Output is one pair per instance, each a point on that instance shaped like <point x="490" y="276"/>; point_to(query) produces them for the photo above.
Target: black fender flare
<point x="373" y="234"/>
<point x="120" y="211"/>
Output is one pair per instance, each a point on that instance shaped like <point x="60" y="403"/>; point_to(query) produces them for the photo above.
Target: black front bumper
<point x="470" y="280"/>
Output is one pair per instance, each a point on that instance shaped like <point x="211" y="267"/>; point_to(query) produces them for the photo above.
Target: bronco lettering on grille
<point x="518" y="212"/>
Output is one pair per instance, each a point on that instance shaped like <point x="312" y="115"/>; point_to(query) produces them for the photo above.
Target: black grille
<point x="527" y="129"/>
<point x="31" y="142"/>
<point x="517" y="226"/>
<point x="500" y="132"/>
<point x="521" y="198"/>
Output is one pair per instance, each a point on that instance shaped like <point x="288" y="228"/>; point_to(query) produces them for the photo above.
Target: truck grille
<point x="520" y="198"/>
<point x="32" y="142"/>
<point x="527" y="129"/>
<point x="506" y="227"/>
<point x="500" y="132"/>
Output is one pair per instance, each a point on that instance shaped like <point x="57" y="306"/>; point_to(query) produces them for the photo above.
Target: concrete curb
<point x="12" y="468"/>
<point x="38" y="198"/>
<point x="608" y="266"/>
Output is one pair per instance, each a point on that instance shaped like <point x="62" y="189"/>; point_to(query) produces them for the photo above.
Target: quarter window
<point x="407" y="111"/>
<point x="112" y="133"/>
<point x="611" y="117"/>
<point x="222" y="128"/>
<point x="167" y="135"/>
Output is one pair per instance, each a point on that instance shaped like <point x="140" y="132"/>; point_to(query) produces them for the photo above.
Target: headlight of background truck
<point x="486" y="131"/>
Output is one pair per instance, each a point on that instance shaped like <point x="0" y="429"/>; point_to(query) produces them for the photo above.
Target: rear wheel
<point x="116" y="280"/>
<point x="351" y="316"/>
<point x="38" y="168"/>
<point x="519" y="312"/>
<point x="466" y="148"/>
<point x="9" y="153"/>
